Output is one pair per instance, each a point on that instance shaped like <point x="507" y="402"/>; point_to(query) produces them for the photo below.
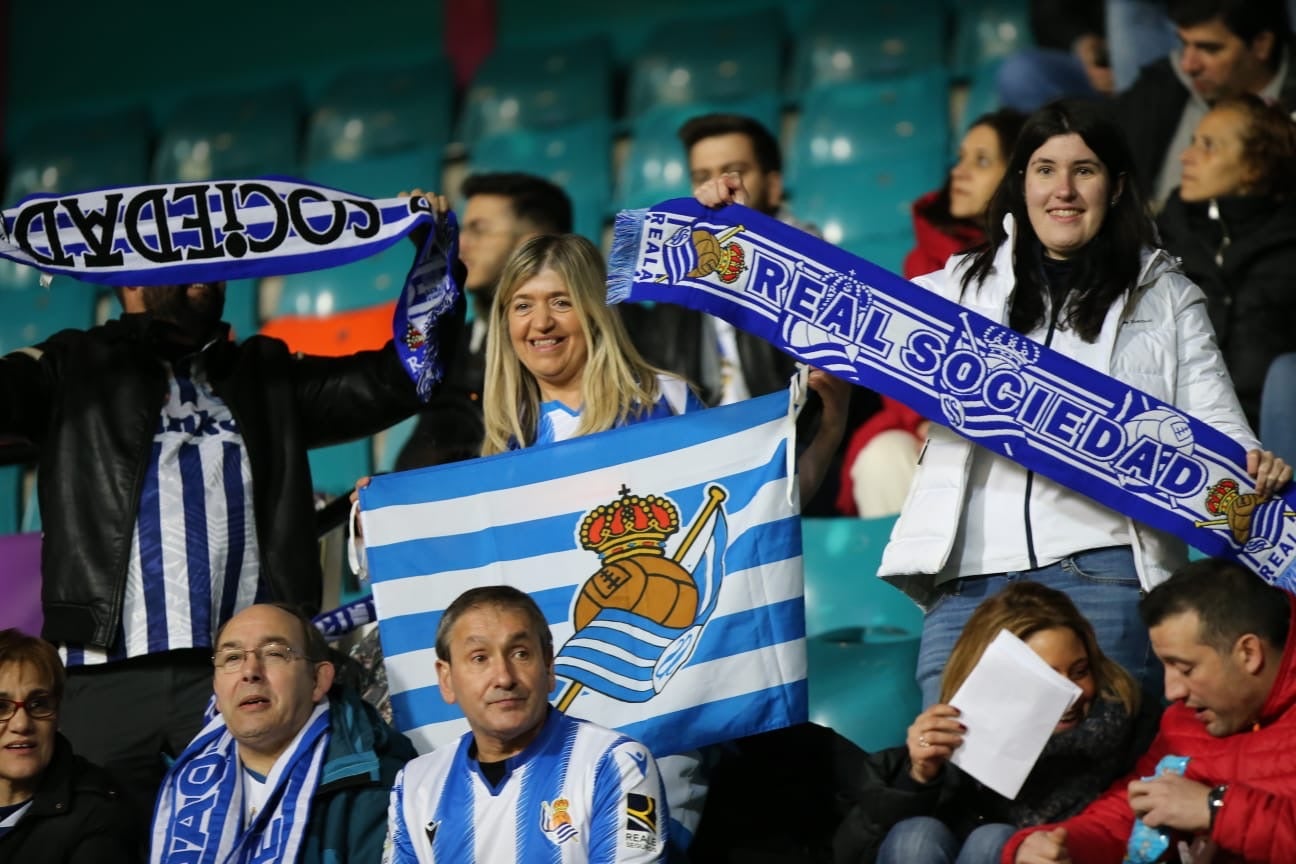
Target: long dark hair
<point x="1108" y="265"/>
<point x="1005" y="123"/>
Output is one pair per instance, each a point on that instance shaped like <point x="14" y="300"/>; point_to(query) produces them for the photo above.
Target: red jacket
<point x="1257" y="823"/>
<point x="934" y="246"/>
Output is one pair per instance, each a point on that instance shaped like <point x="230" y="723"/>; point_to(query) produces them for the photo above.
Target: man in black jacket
<point x="1229" y="47"/>
<point x="174" y="491"/>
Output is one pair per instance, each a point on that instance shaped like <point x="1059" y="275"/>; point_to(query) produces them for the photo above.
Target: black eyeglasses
<point x="38" y="707"/>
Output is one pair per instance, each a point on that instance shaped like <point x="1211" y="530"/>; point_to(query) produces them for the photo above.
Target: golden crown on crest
<point x="630" y="525"/>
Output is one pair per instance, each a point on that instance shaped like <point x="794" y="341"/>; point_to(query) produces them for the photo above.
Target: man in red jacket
<point x="1230" y="671"/>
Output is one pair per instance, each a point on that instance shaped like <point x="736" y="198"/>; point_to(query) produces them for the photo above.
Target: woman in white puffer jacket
<point x="1071" y="263"/>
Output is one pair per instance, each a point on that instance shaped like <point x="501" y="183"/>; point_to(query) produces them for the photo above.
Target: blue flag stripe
<point x="403" y="633"/>
<point x="731" y="638"/>
<point x="775" y="541"/>
<point x="735" y="717"/>
<point x="501" y="472"/>
<point x="472" y="550"/>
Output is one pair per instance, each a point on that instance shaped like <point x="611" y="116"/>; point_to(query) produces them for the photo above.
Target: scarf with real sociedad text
<point x="184" y="233"/>
<point x="826" y="307"/>
<point x="199" y="817"/>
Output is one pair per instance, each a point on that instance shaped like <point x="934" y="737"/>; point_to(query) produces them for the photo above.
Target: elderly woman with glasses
<point x="55" y="807"/>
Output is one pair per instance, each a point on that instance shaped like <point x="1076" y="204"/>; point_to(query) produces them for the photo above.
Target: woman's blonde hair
<point x="617" y="383"/>
<point x="1024" y="609"/>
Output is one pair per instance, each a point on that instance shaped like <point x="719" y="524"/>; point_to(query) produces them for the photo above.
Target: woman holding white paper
<point x="915" y="808"/>
<point x="1070" y="263"/>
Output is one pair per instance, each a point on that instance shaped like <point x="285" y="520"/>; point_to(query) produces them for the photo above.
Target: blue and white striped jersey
<point x="193" y="560"/>
<point x="558" y="422"/>
<point x="578" y="794"/>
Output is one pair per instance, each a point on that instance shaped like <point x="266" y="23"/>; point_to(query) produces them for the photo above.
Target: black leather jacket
<point x="90" y="400"/>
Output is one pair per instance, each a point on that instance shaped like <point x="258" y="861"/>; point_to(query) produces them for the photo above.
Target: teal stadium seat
<point x="655" y="167"/>
<point x="378" y="278"/>
<point x="873" y="122"/>
<point x="368" y="282"/>
<point x="30" y="313"/>
<point x="858" y="207"/>
<point x="248" y="133"/>
<point x="861" y="634"/>
<point x="707" y="59"/>
<point x="538" y="86"/>
<point x="577" y="158"/>
<point x="375" y="110"/>
<point x="982" y="95"/>
<point x="850" y="40"/>
<point x="78" y="152"/>
<point x="987" y="30"/>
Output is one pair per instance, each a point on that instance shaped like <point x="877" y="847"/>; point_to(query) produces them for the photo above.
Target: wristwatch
<point x="1215" y="801"/>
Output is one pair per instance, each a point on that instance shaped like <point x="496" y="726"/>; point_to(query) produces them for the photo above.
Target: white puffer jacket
<point x="1159" y="340"/>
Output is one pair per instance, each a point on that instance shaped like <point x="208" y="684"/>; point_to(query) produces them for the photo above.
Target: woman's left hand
<point x="1269" y="472"/>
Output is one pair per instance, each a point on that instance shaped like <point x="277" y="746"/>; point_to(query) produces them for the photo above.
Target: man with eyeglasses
<point x="292" y="767"/>
<point x="54" y="806"/>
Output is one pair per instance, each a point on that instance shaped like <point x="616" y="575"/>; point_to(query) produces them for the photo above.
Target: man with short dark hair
<point x="501" y="212"/>
<point x="293" y="767"/>
<point x="1224" y="637"/>
<point x="726" y="364"/>
<point x="1228" y="47"/>
<point x="527" y="782"/>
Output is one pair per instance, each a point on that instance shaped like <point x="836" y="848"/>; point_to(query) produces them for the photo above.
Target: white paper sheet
<point x="1009" y="703"/>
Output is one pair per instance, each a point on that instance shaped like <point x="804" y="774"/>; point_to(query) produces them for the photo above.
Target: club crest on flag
<point x="665" y="557"/>
<point x="638" y="619"/>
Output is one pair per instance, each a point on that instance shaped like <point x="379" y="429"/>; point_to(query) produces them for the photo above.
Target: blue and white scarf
<point x="199" y="814"/>
<point x="829" y="308"/>
<point x="182" y="233"/>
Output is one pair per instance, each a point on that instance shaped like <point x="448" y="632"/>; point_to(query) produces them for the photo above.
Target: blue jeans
<point x="925" y="840"/>
<point x="1102" y="583"/>
<point x="1278" y="408"/>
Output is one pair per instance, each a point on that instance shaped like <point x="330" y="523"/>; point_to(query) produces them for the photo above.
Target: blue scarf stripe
<point x="1037" y="407"/>
<point x="199" y="815"/>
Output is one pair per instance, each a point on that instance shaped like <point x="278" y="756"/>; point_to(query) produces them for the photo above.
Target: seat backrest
<point x="538" y="86"/>
<point x="707" y="59"/>
<point x="378" y="278"/>
<point x="851" y="40"/>
<point x="375" y="110"/>
<point x="245" y="133"/>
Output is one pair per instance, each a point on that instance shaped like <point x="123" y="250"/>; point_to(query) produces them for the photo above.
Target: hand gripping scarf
<point x="1041" y="409"/>
<point x="233" y="229"/>
<point x="199" y="813"/>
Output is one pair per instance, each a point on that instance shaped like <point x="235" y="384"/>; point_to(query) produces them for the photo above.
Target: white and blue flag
<point x="666" y="557"/>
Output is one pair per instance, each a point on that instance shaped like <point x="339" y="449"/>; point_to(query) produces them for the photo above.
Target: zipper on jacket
<point x="1030" y="475"/>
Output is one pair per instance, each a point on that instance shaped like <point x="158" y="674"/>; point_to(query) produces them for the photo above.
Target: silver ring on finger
<point x="922" y="741"/>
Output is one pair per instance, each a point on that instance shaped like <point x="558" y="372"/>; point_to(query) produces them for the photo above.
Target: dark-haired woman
<point x="883" y="452"/>
<point x="1070" y="263"/>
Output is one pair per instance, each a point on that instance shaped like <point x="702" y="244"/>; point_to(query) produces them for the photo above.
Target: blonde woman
<point x="559" y="363"/>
